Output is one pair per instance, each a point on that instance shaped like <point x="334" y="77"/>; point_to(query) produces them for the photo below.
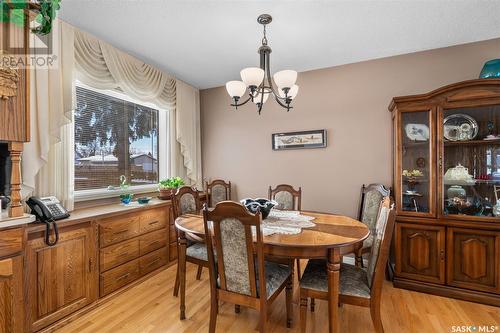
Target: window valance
<point x="102" y="66"/>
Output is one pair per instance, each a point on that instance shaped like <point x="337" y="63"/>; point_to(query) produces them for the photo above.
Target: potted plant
<point x="168" y="186"/>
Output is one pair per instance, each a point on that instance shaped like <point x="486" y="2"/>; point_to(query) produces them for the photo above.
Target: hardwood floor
<point x="150" y="307"/>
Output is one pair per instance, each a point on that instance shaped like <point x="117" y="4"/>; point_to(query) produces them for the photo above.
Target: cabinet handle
<point x="90" y="265"/>
<point x="120" y="232"/>
<point x="154" y="222"/>
<point x="442" y="254"/>
<point x="440" y="163"/>
<point x="124" y="276"/>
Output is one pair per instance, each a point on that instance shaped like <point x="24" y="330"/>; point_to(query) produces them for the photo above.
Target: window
<point x="115" y="136"/>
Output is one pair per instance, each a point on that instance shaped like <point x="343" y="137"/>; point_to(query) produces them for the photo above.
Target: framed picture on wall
<point x="299" y="140"/>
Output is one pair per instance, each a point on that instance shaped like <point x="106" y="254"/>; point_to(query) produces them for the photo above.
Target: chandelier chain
<point x="264" y="39"/>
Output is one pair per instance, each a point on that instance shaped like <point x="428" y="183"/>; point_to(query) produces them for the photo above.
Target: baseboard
<point x="447" y="291"/>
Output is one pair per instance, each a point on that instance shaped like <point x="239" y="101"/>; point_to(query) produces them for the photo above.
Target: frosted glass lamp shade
<point x="256" y="99"/>
<point x="294" y="90"/>
<point x="236" y="88"/>
<point x="285" y="79"/>
<point x="252" y="76"/>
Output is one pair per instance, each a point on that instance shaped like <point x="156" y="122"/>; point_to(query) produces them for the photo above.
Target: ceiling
<point x="207" y="42"/>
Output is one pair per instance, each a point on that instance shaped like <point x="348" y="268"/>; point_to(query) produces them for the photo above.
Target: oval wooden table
<point x="332" y="237"/>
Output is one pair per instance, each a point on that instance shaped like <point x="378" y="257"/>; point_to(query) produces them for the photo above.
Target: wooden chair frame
<point x="213" y="183"/>
<point x="365" y="189"/>
<point x="255" y="254"/>
<point x="182" y="244"/>
<point x="376" y="289"/>
<point x="296" y="194"/>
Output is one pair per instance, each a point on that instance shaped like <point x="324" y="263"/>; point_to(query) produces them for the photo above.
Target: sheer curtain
<point x="47" y="159"/>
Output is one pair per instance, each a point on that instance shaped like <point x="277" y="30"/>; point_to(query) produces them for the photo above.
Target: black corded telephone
<point x="48" y="210"/>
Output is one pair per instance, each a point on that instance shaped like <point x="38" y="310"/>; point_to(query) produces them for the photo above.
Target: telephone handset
<point x="48" y="210"/>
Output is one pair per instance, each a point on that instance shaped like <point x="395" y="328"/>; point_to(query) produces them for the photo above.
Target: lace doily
<point x="287" y="222"/>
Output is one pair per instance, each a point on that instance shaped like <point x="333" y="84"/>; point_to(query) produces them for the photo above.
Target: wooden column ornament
<point x="16" y="209"/>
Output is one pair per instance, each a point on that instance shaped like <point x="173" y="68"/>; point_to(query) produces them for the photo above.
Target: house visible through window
<point x="114" y="136"/>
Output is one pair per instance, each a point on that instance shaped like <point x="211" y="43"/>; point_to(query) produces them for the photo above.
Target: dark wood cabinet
<point x="421" y="252"/>
<point x="446" y="181"/>
<point x="474" y="259"/>
<point x="62" y="278"/>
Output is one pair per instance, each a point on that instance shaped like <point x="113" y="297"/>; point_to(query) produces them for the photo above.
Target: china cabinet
<point x="446" y="179"/>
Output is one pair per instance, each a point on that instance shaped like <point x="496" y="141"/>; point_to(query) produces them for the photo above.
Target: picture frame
<point x="299" y="140"/>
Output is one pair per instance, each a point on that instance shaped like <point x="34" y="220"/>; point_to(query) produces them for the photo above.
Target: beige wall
<point x="349" y="101"/>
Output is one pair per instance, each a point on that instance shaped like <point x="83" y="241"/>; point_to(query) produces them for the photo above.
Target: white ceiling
<point x="207" y="42"/>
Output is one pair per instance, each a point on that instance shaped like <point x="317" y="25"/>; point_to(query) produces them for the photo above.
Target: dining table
<point x="331" y="237"/>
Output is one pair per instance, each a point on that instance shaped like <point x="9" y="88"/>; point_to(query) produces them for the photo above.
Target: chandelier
<point x="258" y="79"/>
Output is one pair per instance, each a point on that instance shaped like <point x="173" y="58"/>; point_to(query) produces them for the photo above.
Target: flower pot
<point x="166" y="193"/>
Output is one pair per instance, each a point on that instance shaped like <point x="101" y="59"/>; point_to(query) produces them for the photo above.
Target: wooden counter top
<point x="92" y="213"/>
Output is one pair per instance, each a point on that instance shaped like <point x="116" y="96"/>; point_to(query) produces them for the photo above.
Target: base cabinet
<point x="11" y="299"/>
<point x="420" y="252"/>
<point x="473" y="259"/>
<point x="62" y="278"/>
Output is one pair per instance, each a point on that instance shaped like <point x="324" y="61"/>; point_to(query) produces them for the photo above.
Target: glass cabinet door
<point x="471" y="163"/>
<point x="416" y="163"/>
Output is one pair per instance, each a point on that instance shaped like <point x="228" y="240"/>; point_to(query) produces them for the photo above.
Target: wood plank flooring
<point x="150" y="307"/>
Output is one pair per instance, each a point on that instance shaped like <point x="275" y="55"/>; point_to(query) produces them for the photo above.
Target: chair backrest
<point x="231" y="227"/>
<point x="218" y="190"/>
<point x="380" y="247"/>
<point x="371" y="196"/>
<point x="286" y="196"/>
<point x="186" y="200"/>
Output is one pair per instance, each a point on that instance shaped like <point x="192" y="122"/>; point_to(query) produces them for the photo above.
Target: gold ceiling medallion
<point x="9" y="77"/>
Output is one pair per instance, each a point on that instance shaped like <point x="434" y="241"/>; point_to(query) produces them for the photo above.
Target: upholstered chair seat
<point x="353" y="279"/>
<point x="276" y="275"/>
<point x="198" y="251"/>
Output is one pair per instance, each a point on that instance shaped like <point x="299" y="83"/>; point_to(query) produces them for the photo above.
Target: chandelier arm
<point x="286" y="106"/>
<point x="242" y="103"/>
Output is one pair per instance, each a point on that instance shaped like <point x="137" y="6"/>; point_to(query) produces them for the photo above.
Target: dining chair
<point x="371" y="196"/>
<point x="240" y="274"/>
<point x="287" y="198"/>
<point x="186" y="200"/>
<point x="217" y="190"/>
<point x="358" y="286"/>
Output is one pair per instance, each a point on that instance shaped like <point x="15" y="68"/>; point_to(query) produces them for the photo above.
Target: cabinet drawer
<point x="153" y="219"/>
<point x="116" y="229"/>
<point x="152" y="261"/>
<point x="172" y="234"/>
<point x="117" y="254"/>
<point x="172" y="250"/>
<point x="152" y="241"/>
<point x="11" y="241"/>
<point x="118" y="277"/>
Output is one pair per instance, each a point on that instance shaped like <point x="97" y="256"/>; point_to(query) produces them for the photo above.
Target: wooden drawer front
<point x="118" y="277"/>
<point x="154" y="219"/>
<point x="152" y="261"/>
<point x="117" y="229"/>
<point x="473" y="259"/>
<point x="420" y="252"/>
<point x="117" y="254"/>
<point x="172" y="234"/>
<point x="172" y="251"/>
<point x="153" y="241"/>
<point x="11" y="241"/>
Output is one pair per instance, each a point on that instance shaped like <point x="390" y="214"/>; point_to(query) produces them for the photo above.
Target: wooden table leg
<point x="181" y="262"/>
<point x="333" y="268"/>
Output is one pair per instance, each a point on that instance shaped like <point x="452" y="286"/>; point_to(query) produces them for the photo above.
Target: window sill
<point x="87" y="195"/>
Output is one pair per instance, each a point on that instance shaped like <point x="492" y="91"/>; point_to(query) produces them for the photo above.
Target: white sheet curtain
<point x="47" y="160"/>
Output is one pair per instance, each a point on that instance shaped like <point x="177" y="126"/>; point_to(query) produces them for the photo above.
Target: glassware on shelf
<point x="496" y="209"/>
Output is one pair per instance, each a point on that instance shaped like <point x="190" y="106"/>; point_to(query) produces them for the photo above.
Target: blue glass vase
<point x="491" y="69"/>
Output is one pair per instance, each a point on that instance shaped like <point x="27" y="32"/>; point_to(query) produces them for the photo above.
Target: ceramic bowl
<point x="143" y="200"/>
<point x="264" y="205"/>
